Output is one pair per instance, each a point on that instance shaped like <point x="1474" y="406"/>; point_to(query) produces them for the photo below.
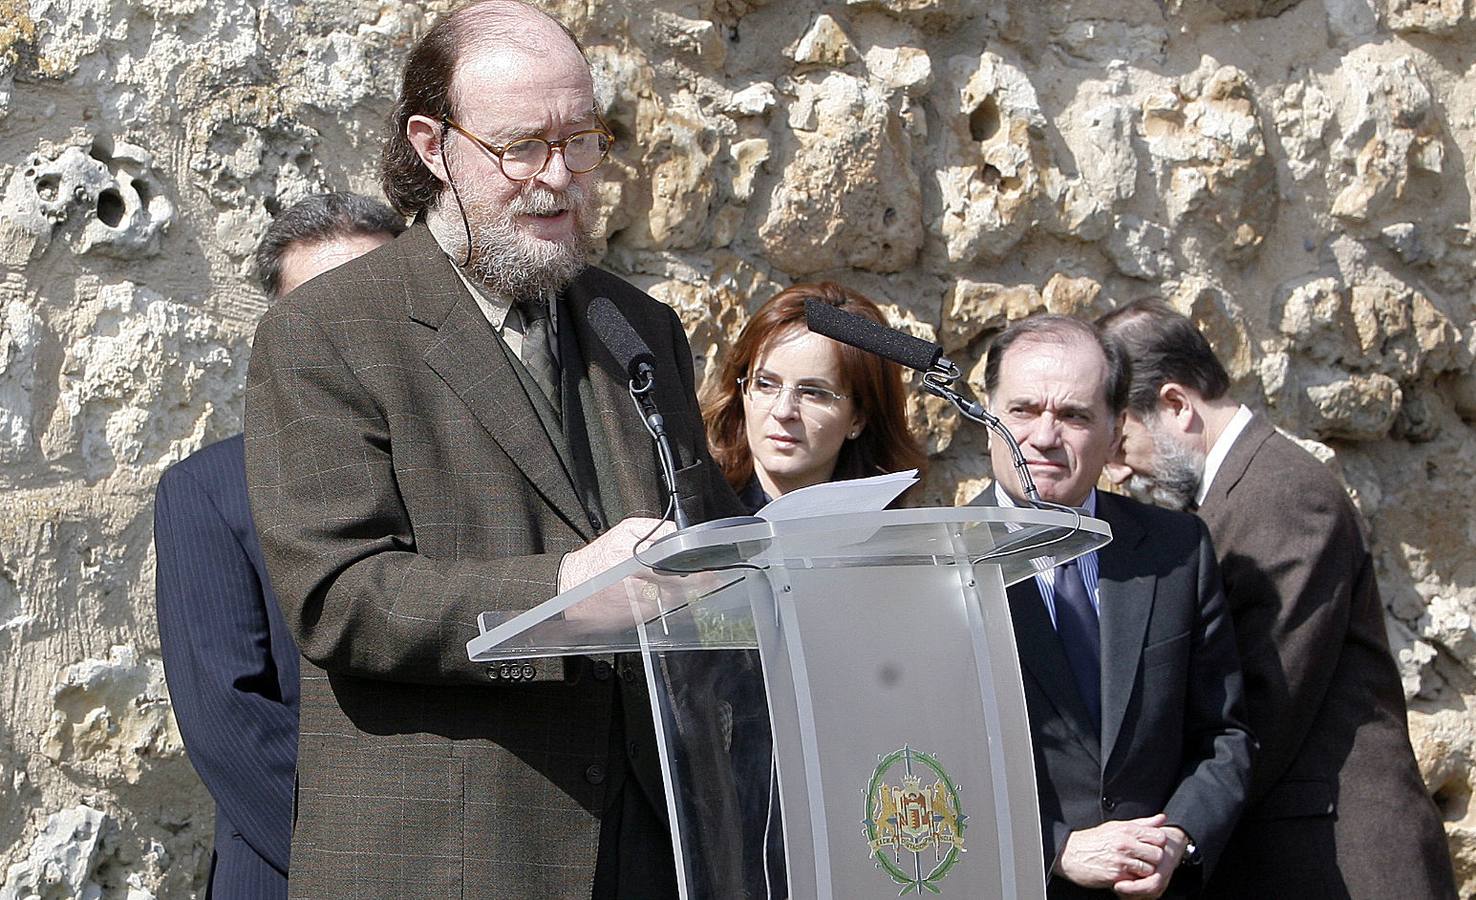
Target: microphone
<point x="864" y="334"/>
<point x="639" y="365"/>
<point x="621" y="340"/>
<point x="924" y="356"/>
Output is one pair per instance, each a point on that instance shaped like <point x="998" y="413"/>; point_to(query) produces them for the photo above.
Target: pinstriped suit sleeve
<point x="214" y="637"/>
<point x="335" y="530"/>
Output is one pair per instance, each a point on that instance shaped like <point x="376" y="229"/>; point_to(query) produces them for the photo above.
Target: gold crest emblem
<point x="914" y="829"/>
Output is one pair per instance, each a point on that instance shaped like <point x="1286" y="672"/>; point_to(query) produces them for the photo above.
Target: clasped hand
<point x="1134" y="857"/>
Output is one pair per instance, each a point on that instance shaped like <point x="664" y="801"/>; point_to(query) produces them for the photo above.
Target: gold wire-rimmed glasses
<point x="764" y="392"/>
<point x="526" y="157"/>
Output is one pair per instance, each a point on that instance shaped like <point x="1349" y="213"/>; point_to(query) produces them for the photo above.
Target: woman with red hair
<point x="789" y="408"/>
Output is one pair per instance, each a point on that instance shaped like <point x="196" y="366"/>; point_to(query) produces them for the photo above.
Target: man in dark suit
<point x="1130" y="673"/>
<point x="433" y="431"/>
<point x="228" y="658"/>
<point x="1337" y="806"/>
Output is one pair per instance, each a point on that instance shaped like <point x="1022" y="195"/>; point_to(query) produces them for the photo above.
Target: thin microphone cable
<point x="446" y="163"/>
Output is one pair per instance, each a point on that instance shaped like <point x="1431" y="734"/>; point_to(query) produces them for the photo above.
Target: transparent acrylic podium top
<point x="697" y="589"/>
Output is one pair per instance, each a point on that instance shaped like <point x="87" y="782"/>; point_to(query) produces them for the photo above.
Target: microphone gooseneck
<point x="939" y="372"/>
<point x="639" y="365"/>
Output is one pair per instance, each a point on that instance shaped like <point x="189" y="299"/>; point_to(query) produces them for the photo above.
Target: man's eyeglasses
<point x="524" y="158"/>
<point x="764" y="392"/>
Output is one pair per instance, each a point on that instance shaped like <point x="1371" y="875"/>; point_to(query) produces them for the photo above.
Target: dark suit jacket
<point x="403" y="484"/>
<point x="231" y="666"/>
<point x="1335" y="787"/>
<point x="1173" y="738"/>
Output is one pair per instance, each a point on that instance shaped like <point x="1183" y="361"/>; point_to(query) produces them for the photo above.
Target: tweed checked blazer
<point x="1173" y="738"/>
<point x="403" y="483"/>
<point x="231" y="667"/>
<point x="1337" y="806"/>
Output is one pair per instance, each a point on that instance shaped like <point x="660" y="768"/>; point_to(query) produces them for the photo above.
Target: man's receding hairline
<point x="486" y="27"/>
<point x="1060" y="337"/>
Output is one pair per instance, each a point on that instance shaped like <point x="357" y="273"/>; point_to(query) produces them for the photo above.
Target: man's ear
<point x="424" y="134"/>
<point x="1176" y="406"/>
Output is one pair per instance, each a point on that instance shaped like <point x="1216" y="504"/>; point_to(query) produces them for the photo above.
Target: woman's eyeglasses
<point x="764" y="392"/>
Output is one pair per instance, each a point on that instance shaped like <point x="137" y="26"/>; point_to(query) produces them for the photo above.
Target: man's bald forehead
<point x="492" y="25"/>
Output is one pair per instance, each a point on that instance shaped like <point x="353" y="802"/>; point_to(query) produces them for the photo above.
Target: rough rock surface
<point x="1294" y="175"/>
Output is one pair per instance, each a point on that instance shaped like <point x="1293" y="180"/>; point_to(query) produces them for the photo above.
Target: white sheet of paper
<point x="856" y="495"/>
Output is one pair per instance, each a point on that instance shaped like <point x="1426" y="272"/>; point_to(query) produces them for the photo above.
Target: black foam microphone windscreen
<point x="606" y="320"/>
<point x="864" y="334"/>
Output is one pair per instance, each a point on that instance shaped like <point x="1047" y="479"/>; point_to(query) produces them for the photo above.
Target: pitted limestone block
<point x="1404" y="334"/>
<point x="993" y="178"/>
<point x="1097" y="127"/>
<point x="1302" y="112"/>
<point x="679" y="152"/>
<point x="338" y="71"/>
<point x="62" y="859"/>
<point x="149" y="373"/>
<point x="1447" y="622"/>
<point x="1209" y="158"/>
<point x="825" y="44"/>
<point x="1140" y="248"/>
<point x="1067" y="296"/>
<point x="1443" y="17"/>
<point x="748" y="156"/>
<point x="848" y="195"/>
<point x="698" y="41"/>
<point x="242" y="148"/>
<point x="905" y="69"/>
<point x="973" y="308"/>
<point x="1313" y="315"/>
<point x="111" y="195"/>
<point x="111" y="718"/>
<point x="1391" y="131"/>
<point x="754" y="100"/>
<point x="21" y="332"/>
<point x="71" y="30"/>
<point x="1335" y="403"/>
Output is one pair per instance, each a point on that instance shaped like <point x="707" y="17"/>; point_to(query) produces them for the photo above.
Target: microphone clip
<point x="939" y="384"/>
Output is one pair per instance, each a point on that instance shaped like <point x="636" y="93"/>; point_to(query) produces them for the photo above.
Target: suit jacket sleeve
<point x="1294" y="602"/>
<point x="215" y="640"/>
<point x="1218" y="745"/>
<point x="335" y="532"/>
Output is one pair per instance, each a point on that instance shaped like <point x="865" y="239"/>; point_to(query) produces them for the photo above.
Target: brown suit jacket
<point x="1337" y="807"/>
<point x="403" y="483"/>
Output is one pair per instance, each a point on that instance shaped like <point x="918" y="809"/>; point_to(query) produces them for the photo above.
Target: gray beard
<point x="1174" y="481"/>
<point x="509" y="263"/>
<point x="513" y="266"/>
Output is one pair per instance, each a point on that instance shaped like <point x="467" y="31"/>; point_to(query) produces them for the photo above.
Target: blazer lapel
<point x="637" y="475"/>
<point x="1126" y="602"/>
<point x="466" y="355"/>
<point x="1043" y="657"/>
<point x="1238" y="460"/>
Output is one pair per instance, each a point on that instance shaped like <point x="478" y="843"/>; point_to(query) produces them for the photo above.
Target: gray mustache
<point x="545" y="202"/>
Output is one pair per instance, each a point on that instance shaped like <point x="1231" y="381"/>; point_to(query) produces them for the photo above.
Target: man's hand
<point x="1116" y="852"/>
<point x="1157" y="881"/>
<point x="609" y="549"/>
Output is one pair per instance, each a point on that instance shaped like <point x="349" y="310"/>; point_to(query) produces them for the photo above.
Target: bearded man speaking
<point x="435" y="430"/>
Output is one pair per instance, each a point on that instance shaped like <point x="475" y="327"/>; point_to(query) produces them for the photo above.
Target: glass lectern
<point x="876" y="743"/>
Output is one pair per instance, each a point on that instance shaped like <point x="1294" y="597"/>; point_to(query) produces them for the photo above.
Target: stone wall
<point x="1292" y="174"/>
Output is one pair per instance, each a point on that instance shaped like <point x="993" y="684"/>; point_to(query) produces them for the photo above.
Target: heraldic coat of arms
<point x="913" y="822"/>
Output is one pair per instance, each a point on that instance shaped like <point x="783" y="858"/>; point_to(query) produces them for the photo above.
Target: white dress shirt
<point x="1219" y="451"/>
